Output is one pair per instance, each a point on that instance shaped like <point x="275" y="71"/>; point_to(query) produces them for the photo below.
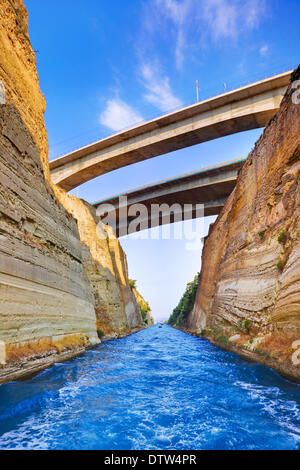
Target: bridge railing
<point x="202" y="97"/>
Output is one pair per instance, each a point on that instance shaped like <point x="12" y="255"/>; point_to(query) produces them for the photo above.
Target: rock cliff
<point x="19" y="74"/>
<point x="248" y="297"/>
<point x="144" y="307"/>
<point x="58" y="282"/>
<point x="106" y="266"/>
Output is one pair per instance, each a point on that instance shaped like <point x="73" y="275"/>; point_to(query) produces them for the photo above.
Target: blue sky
<point x="105" y="65"/>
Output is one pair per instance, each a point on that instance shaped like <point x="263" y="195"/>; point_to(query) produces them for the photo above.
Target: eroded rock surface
<point x="44" y="289"/>
<point x="57" y="280"/>
<point x="106" y="266"/>
<point x="250" y="277"/>
<point x="19" y="74"/>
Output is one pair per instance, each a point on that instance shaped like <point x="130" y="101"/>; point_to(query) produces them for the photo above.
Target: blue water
<point x="157" y="389"/>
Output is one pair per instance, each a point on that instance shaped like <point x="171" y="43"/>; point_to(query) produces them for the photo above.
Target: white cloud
<point x="263" y="51"/>
<point x="255" y="10"/>
<point x="178" y="13"/>
<point x="189" y="21"/>
<point x="158" y="88"/>
<point x="119" y="115"/>
<point x="175" y="9"/>
<point x="221" y="18"/>
<point x="230" y="18"/>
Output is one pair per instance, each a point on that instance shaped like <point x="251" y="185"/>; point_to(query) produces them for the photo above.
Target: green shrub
<point x="262" y="234"/>
<point x="132" y="283"/>
<point x="280" y="265"/>
<point x="186" y="303"/>
<point x="282" y="238"/>
<point x="144" y="312"/>
<point x="247" y="324"/>
<point x="222" y="339"/>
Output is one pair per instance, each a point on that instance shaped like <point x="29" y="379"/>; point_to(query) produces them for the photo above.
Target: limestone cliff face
<point x="144" y="307"/>
<point x="19" y="74"/>
<point x="106" y="267"/>
<point x="57" y="280"/>
<point x="250" y="278"/>
<point x="44" y="290"/>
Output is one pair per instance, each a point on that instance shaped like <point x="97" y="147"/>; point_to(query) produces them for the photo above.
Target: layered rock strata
<point x="249" y="292"/>
<point x="105" y="263"/>
<point x="44" y="289"/>
<point x="58" y="282"/>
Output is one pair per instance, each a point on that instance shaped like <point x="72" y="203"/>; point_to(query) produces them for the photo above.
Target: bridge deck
<point x="209" y="186"/>
<point x="247" y="108"/>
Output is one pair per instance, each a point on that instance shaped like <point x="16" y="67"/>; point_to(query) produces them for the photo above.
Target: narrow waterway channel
<point x="157" y="389"/>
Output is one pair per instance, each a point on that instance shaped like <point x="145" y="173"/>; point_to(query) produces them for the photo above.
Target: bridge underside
<point x="209" y="186"/>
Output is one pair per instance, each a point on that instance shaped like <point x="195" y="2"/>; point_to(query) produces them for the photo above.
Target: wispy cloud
<point x="221" y="18"/>
<point x="118" y="115"/>
<point x="186" y="26"/>
<point x="178" y="13"/>
<point x="158" y="88"/>
<point x="230" y="18"/>
<point x="189" y="21"/>
<point x="264" y="50"/>
<point x="255" y="11"/>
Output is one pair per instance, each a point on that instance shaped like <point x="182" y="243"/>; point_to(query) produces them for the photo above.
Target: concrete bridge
<point x="243" y="109"/>
<point x="209" y="186"/>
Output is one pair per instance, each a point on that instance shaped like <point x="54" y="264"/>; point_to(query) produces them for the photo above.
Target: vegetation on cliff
<point x="142" y="303"/>
<point x="248" y="295"/>
<point x="186" y="303"/>
<point x="132" y="283"/>
<point x="61" y="283"/>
